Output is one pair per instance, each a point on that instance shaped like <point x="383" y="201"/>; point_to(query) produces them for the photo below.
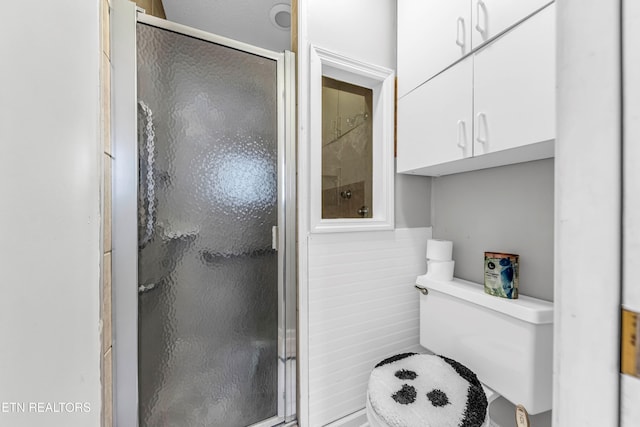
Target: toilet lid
<point x="422" y="390"/>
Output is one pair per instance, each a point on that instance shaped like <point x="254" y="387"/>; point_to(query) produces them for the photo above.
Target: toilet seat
<point x="420" y="390"/>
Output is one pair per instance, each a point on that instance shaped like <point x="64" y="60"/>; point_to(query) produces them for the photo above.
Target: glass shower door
<point x="208" y="275"/>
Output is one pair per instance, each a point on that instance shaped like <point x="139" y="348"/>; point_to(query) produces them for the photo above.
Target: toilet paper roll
<point x="439" y="250"/>
<point x="440" y="270"/>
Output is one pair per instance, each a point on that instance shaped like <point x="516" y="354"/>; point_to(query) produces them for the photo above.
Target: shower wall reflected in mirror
<point x="347" y="154"/>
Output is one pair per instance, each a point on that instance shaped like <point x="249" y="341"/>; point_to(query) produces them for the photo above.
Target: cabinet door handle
<point x="462" y="135"/>
<point x="481" y="9"/>
<point x="460" y="32"/>
<point x="481" y="118"/>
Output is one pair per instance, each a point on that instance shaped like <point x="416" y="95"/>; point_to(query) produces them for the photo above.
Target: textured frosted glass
<point x="207" y="201"/>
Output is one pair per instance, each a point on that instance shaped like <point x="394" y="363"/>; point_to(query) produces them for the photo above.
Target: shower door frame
<point x="124" y="17"/>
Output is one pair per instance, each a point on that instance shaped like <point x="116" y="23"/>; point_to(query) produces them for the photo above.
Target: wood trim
<point x="294" y="26"/>
<point x="629" y="345"/>
<point x="152" y="7"/>
<point x="157" y="9"/>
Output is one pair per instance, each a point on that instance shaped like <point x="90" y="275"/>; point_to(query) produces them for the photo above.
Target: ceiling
<point x="248" y="21"/>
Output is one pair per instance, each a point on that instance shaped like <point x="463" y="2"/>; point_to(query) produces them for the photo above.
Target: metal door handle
<point x="274" y="237"/>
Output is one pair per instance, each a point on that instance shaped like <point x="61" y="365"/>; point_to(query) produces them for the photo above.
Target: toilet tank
<point x="507" y="343"/>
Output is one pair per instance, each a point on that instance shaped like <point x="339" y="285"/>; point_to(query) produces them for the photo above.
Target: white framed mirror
<point x="351" y="145"/>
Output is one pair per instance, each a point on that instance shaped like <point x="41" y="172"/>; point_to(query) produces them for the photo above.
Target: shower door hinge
<point x="274" y="237"/>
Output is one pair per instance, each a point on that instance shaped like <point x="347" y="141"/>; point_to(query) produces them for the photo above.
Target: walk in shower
<point x="204" y="305"/>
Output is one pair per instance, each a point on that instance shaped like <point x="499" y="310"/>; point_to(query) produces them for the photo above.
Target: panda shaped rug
<point x="424" y="390"/>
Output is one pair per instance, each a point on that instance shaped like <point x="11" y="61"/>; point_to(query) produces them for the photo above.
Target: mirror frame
<point x="381" y="81"/>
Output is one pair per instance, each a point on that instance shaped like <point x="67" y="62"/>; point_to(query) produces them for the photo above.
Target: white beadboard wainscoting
<point x="362" y="307"/>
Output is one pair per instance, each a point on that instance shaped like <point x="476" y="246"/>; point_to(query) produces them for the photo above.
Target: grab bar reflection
<point x="146" y="192"/>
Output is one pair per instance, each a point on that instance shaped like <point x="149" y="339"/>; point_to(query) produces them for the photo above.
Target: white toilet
<point x="506" y="343"/>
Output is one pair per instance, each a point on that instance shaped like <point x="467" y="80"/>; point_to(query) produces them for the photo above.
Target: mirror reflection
<point x="347" y="155"/>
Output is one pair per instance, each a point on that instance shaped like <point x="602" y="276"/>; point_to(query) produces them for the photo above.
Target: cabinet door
<point x="491" y="17"/>
<point x="434" y="121"/>
<point x="432" y="34"/>
<point x="514" y="86"/>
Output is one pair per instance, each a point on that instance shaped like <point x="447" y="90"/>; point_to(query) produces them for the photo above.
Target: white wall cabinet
<point x="492" y="17"/>
<point x="514" y="87"/>
<point x="435" y="120"/>
<point x="493" y="108"/>
<point x="432" y="34"/>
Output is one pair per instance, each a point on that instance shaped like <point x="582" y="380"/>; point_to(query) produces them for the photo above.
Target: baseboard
<point x="357" y="419"/>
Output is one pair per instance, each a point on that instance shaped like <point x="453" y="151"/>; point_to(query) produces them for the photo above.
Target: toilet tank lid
<point x="527" y="309"/>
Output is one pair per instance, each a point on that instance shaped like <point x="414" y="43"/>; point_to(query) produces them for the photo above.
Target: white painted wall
<point x="504" y="209"/>
<point x="413" y="201"/>
<point x="50" y="175"/>
<point x="630" y="386"/>
<point x="587" y="218"/>
<point x="362" y="30"/>
<point x="631" y="97"/>
<point x="363" y="308"/>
